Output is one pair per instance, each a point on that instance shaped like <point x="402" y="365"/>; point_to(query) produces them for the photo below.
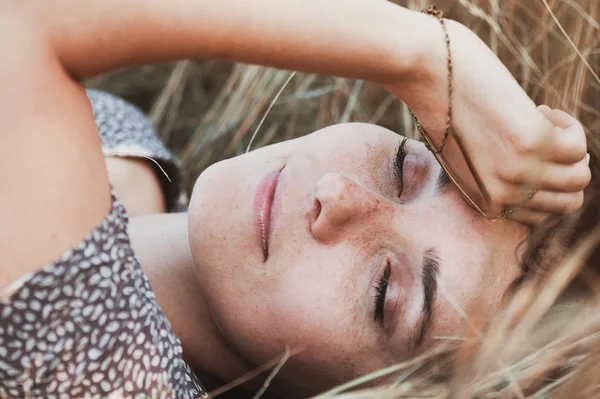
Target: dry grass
<point x="546" y="343"/>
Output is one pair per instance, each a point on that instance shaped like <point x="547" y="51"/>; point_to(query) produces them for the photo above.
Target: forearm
<point x="364" y="39"/>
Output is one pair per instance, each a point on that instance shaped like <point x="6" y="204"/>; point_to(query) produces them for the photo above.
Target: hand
<point x="515" y="149"/>
<point x="566" y="173"/>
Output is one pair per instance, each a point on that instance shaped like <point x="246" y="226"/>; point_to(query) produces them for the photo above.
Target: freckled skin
<point x="340" y="220"/>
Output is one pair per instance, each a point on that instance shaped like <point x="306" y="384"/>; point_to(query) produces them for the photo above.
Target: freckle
<point x="358" y="241"/>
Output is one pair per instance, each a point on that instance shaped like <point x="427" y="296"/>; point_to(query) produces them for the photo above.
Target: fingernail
<point x="544" y="108"/>
<point x="587" y="158"/>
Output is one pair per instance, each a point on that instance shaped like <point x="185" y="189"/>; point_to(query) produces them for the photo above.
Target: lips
<point x="265" y="212"/>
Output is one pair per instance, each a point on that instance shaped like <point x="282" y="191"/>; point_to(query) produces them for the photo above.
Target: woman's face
<point x="332" y="244"/>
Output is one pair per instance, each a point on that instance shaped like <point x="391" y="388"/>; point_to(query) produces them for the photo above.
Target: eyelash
<point x="384" y="280"/>
<point x="380" y="293"/>
<point x="399" y="164"/>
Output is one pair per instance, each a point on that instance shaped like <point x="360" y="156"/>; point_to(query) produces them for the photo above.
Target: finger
<point x="544" y="109"/>
<point x="564" y="178"/>
<point x="560" y="118"/>
<point x="548" y="176"/>
<point x="568" y="141"/>
<point x="554" y="202"/>
<point x="568" y="145"/>
<point x="530" y="218"/>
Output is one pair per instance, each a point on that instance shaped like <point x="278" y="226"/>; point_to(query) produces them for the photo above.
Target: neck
<point x="161" y="245"/>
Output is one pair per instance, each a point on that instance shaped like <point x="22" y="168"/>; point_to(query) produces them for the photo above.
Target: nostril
<point x="318" y="225"/>
<point x="316" y="211"/>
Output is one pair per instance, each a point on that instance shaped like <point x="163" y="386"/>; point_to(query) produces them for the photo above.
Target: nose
<point x="342" y="205"/>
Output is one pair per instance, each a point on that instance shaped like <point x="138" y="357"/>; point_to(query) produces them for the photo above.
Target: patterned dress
<point x="88" y="325"/>
<point x="126" y="132"/>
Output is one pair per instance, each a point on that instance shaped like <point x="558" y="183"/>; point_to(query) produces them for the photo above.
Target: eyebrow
<point x="441" y="182"/>
<point x="429" y="274"/>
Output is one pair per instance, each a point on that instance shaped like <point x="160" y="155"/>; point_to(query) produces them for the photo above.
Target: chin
<point x="200" y="218"/>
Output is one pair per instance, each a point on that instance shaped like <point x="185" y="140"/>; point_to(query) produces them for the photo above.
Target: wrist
<point x="421" y="79"/>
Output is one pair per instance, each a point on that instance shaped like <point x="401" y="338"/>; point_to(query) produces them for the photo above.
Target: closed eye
<point x="381" y="292"/>
<point x="399" y="165"/>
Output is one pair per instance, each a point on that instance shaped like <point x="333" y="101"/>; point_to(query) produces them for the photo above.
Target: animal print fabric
<point x="88" y="325"/>
<point x="126" y="132"/>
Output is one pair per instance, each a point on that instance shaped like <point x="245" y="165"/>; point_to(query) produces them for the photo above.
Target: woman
<point x="340" y="182"/>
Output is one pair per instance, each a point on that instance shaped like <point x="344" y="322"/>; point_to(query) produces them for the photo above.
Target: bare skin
<point x="136" y="185"/>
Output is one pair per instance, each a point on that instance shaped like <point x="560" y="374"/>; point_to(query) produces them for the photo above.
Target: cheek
<point x="303" y="305"/>
<point x="310" y="305"/>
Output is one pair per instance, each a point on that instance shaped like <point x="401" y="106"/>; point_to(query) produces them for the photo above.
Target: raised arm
<point x="371" y="39"/>
<point x="54" y="182"/>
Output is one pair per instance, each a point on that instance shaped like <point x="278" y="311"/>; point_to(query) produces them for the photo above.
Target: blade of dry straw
<point x="583" y="59"/>
<point x="289" y="79"/>
<point x="577" y="7"/>
<point x="126" y="155"/>
<point x="360" y="381"/>
<point x="254" y="373"/>
<point x="515" y="48"/>
<point x="174" y="85"/>
<point x="275" y="371"/>
<point x="351" y="104"/>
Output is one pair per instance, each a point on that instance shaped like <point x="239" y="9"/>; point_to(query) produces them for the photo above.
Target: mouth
<point x="265" y="213"/>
